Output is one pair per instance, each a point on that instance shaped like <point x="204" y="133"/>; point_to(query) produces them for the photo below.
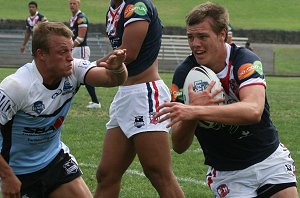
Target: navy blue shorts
<point x="40" y="184"/>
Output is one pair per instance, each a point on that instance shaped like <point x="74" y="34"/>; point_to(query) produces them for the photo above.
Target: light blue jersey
<point x="32" y="116"/>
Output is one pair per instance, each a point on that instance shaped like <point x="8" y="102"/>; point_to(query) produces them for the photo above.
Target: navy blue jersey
<point x="231" y="147"/>
<point x="130" y="11"/>
<point x="31" y="21"/>
<point x="79" y="20"/>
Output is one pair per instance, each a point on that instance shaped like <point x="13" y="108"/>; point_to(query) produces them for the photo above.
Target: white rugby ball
<point x="200" y="77"/>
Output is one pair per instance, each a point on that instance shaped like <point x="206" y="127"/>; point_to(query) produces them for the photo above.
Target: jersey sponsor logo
<point x="176" y="94"/>
<point x="129" y="11"/>
<point x="139" y="121"/>
<point x="5" y="103"/>
<point x="57" y="93"/>
<point x="38" y="107"/>
<point x="82" y="20"/>
<point x="45" y="130"/>
<point x="43" y="20"/>
<point x="248" y="69"/>
<point x="140" y="9"/>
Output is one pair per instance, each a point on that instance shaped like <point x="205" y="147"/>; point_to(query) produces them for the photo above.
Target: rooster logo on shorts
<point x="223" y="190"/>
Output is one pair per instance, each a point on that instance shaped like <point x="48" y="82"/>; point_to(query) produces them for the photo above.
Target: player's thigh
<point x="118" y="152"/>
<point x="153" y="149"/>
<point x="290" y="192"/>
<point x="74" y="188"/>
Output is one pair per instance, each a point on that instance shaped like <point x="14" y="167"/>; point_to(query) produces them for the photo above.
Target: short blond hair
<point x="42" y="31"/>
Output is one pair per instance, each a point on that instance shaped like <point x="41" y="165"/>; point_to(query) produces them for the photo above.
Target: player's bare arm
<point x="81" y="35"/>
<point x="133" y="38"/>
<point x="182" y="135"/>
<point x="248" y="110"/>
<point x="10" y="184"/>
<point x="112" y="72"/>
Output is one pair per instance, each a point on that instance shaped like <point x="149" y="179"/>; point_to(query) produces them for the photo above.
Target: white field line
<point x="138" y="173"/>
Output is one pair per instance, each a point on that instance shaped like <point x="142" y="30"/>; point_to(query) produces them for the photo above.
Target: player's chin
<point x="68" y="72"/>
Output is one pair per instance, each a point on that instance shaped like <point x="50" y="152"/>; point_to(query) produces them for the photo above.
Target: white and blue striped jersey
<point x="33" y="115"/>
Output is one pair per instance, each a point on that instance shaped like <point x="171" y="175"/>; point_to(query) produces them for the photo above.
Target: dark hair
<point x="42" y="31"/>
<point x="32" y="3"/>
<point x="217" y="13"/>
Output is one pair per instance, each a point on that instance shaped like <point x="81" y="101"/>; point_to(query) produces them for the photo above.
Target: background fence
<point x="174" y="49"/>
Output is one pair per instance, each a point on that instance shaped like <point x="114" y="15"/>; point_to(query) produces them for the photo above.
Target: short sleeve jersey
<point x="77" y="21"/>
<point x="31" y="21"/>
<point x="231" y="147"/>
<point x="128" y="12"/>
<point x="32" y="116"/>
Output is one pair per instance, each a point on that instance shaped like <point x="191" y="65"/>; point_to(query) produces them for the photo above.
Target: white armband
<point x="78" y="40"/>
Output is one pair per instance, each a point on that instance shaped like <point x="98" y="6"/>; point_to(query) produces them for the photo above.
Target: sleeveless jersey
<point x="130" y="11"/>
<point x="31" y="21"/>
<point x="230" y="147"/>
<point x="79" y="20"/>
<point x="32" y="116"/>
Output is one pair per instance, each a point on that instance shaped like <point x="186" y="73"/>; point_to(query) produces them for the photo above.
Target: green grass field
<point x="244" y="14"/>
<point x="84" y="130"/>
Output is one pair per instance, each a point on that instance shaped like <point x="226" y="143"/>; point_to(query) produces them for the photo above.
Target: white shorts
<point x="278" y="168"/>
<point x="134" y="106"/>
<point x="82" y="52"/>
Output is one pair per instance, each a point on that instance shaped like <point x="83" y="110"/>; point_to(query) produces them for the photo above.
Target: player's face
<point x="58" y="61"/>
<point x="205" y="44"/>
<point x="32" y="9"/>
<point x="74" y="6"/>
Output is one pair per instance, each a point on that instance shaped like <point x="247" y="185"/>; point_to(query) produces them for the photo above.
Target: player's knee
<point x="155" y="174"/>
<point x="107" y="175"/>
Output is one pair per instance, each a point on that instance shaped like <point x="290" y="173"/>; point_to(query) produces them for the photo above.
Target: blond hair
<point x="41" y="32"/>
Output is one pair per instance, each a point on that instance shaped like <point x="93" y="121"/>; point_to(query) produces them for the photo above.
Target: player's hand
<point x="115" y="60"/>
<point x="22" y="49"/>
<point x="206" y="97"/>
<point x="175" y="111"/>
<point x="11" y="186"/>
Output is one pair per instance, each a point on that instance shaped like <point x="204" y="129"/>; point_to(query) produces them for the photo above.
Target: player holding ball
<point x="242" y="147"/>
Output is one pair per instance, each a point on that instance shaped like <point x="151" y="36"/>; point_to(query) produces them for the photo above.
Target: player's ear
<point x="40" y="54"/>
<point x="223" y="34"/>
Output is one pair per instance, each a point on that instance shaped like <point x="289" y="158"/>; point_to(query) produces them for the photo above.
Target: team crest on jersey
<point x="139" y="121"/>
<point x="68" y="87"/>
<point x="223" y="190"/>
<point x="38" y="107"/>
<point x="70" y="167"/>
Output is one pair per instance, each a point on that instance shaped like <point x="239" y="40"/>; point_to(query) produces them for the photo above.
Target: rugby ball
<point x="200" y="77"/>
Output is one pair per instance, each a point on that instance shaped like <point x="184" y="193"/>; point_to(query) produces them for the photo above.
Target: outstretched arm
<point x="109" y="73"/>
